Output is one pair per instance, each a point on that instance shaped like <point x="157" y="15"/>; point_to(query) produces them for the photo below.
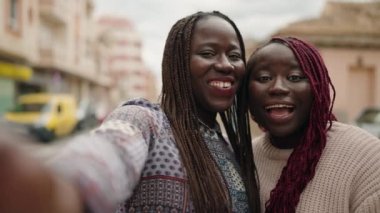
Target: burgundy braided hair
<point x="300" y="168"/>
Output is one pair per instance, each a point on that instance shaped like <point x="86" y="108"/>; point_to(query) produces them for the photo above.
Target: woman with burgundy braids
<point x="306" y="160"/>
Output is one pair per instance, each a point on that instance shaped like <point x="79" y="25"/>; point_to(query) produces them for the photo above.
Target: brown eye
<point x="207" y="54"/>
<point x="263" y="79"/>
<point x="234" y="57"/>
<point x="296" y="78"/>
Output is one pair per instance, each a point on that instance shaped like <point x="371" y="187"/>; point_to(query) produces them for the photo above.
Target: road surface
<point x="30" y="144"/>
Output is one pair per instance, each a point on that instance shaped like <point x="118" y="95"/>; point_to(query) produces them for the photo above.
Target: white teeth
<point x="221" y="84"/>
<point x="278" y="106"/>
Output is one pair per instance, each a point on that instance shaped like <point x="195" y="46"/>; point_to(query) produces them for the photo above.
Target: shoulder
<point x="138" y="113"/>
<point x="135" y="108"/>
<point x="360" y="153"/>
<point x="353" y="142"/>
<point x="350" y="134"/>
<point x="356" y="147"/>
<point x="141" y="102"/>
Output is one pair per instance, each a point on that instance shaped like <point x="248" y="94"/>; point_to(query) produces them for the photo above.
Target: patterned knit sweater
<point x="132" y="161"/>
<point x="347" y="177"/>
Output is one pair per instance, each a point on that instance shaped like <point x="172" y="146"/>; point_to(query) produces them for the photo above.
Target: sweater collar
<point x="272" y="152"/>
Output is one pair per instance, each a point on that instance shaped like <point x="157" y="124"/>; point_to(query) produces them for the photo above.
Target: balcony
<point x="47" y="57"/>
<point x="54" y="11"/>
<point x="52" y="55"/>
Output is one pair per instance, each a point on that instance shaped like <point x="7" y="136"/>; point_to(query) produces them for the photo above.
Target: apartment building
<point x="48" y="45"/>
<point x="17" y="18"/>
<point x="120" y="47"/>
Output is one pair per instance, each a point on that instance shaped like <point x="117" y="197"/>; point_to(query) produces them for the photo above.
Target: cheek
<point x="308" y="95"/>
<point x="254" y="91"/>
<point x="253" y="96"/>
<point x="310" y="102"/>
<point x="307" y="100"/>
<point x="240" y="69"/>
<point x="196" y="67"/>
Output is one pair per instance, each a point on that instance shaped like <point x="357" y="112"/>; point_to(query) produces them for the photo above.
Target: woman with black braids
<point x="168" y="157"/>
<point x="306" y="160"/>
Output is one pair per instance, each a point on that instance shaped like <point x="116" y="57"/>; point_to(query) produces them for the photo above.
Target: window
<point x="13" y="14"/>
<point x="30" y="15"/>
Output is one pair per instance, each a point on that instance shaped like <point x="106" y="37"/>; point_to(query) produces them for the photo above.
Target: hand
<point x="26" y="185"/>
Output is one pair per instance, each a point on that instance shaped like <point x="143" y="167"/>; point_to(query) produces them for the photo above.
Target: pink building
<point x="119" y="45"/>
<point x="348" y="36"/>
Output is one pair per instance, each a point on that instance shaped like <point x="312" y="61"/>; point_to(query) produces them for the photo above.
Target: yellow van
<point x="46" y="115"/>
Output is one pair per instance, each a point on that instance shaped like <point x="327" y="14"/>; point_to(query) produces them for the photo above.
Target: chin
<point x="222" y="106"/>
<point x="220" y="109"/>
<point x="280" y="132"/>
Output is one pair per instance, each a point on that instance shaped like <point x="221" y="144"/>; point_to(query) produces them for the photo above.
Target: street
<point x="30" y="144"/>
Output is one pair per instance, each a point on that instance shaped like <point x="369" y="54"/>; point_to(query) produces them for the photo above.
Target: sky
<point x="256" y="19"/>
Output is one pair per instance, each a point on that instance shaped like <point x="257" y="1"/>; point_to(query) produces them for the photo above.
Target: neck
<point x="287" y="142"/>
<point x="208" y="120"/>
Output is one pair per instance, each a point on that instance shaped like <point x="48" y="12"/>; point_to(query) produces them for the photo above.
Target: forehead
<point x="276" y="50"/>
<point x="273" y="55"/>
<point x="210" y="26"/>
<point x="212" y="21"/>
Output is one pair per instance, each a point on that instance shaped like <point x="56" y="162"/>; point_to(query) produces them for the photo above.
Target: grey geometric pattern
<point x="163" y="185"/>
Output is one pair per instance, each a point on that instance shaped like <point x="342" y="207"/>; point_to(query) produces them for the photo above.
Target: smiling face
<point x="216" y="65"/>
<point x="280" y="94"/>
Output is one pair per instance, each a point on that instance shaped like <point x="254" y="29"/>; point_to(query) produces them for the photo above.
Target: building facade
<point x="48" y="46"/>
<point x="120" y="47"/>
<point x="16" y="19"/>
<point x="347" y="33"/>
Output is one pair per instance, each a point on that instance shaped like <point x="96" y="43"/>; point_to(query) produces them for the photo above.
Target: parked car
<point x="45" y="115"/>
<point x="369" y="120"/>
<point x="86" y="116"/>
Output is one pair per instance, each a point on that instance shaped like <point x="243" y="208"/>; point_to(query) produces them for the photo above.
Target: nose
<point x="223" y="64"/>
<point x="279" y="87"/>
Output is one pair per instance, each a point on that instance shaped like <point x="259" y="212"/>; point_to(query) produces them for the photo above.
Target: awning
<point x="15" y="71"/>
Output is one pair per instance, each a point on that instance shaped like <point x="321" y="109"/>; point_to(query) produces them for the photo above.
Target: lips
<point x="222" y="87"/>
<point x="280" y="113"/>
<point x="221" y="84"/>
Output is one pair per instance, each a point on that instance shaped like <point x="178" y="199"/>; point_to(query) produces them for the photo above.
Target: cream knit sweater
<point x="347" y="177"/>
